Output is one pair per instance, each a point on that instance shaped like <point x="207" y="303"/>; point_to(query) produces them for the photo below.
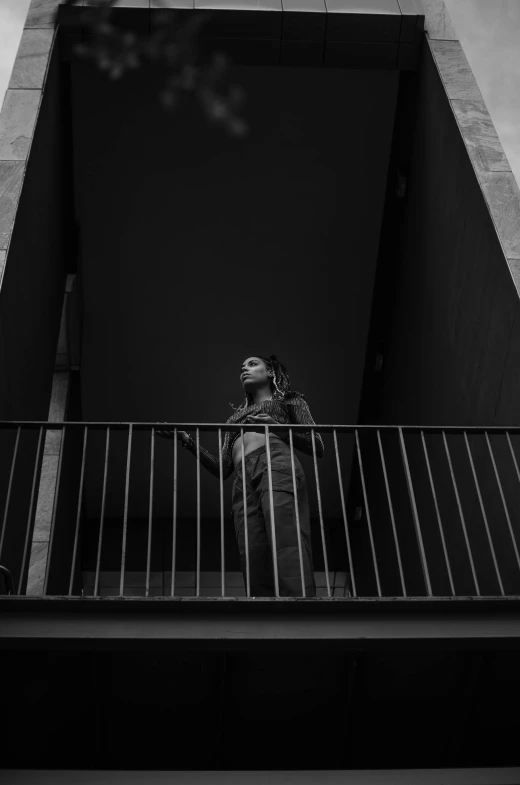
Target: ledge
<point x="385" y="34"/>
<point x="242" y="623"/>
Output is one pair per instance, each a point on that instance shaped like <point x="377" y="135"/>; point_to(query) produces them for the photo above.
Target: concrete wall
<point x="449" y="341"/>
<point x="35" y="216"/>
<point x="453" y="341"/>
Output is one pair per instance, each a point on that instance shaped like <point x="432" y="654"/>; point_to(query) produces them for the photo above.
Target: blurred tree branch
<point x="173" y="43"/>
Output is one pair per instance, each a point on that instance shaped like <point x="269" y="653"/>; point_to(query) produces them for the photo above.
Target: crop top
<point x="292" y="408"/>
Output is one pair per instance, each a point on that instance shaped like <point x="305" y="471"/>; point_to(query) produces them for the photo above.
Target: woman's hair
<point x="280" y="380"/>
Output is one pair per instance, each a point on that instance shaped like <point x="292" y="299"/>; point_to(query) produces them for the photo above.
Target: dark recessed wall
<point x="456" y="301"/>
<point x="451" y="347"/>
<point x="199" y="250"/>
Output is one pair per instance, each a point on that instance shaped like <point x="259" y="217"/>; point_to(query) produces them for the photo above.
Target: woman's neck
<point x="261" y="395"/>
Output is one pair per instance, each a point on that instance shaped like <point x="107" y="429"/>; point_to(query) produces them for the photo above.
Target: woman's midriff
<point x="252" y="441"/>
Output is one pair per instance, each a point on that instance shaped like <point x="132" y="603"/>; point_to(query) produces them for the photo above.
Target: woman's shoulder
<point x="294" y="398"/>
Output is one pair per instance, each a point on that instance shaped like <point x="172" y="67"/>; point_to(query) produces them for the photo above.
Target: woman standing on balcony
<point x="268" y="400"/>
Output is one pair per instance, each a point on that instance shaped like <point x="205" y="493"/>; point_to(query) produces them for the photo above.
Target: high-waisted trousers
<point x="259" y="526"/>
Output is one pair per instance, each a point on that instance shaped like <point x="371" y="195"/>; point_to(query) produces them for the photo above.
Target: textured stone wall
<point x="17" y="126"/>
<point x="20" y="110"/>
<point x="491" y="166"/>
<point x="493" y="173"/>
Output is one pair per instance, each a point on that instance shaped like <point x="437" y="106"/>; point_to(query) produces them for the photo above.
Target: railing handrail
<point x="211" y="426"/>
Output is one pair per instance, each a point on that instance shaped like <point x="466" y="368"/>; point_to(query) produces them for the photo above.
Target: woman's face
<point x="253" y="373"/>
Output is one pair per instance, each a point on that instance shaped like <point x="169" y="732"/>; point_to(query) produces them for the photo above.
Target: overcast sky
<point x="488" y="29"/>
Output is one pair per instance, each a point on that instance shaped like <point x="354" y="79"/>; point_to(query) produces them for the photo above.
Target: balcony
<point x="416" y="614"/>
<point x="111" y="510"/>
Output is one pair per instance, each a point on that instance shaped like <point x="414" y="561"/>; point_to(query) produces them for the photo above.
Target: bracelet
<point x="189" y="444"/>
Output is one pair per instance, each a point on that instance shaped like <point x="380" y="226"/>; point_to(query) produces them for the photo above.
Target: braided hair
<point x="280" y="379"/>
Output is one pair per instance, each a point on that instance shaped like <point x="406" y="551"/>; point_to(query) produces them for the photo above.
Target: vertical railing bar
<point x="345" y="587"/>
<point x="506" y="511"/>
<point x="344" y="511"/>
<point x="9" y="488"/>
<point x="297" y="512"/>
<point x="31" y="509"/>
<point x="369" y="523"/>
<point x="482" y="509"/>
<point x="415" y="514"/>
<point x="244" y="499"/>
<point x="197" y="586"/>
<point x="78" y="512"/>
<point x="174" y="522"/>
<point x="54" y="509"/>
<point x="461" y="513"/>
<point x="150" y="512"/>
<point x="102" y="515"/>
<point x="125" y="511"/>
<point x="222" y="541"/>
<point x="271" y="505"/>
<point x="513" y="456"/>
<point x="392" y="517"/>
<point x="320" y="513"/>
<point x="438" y="514"/>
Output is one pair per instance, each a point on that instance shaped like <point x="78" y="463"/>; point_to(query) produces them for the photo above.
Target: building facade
<point x="366" y="229"/>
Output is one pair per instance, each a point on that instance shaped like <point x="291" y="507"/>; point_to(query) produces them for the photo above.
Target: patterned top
<point x="292" y="408"/>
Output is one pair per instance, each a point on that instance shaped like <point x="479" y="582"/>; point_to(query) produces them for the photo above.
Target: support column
<point x="47" y="496"/>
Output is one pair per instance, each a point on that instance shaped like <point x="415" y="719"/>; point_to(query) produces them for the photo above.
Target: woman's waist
<point x="254" y="443"/>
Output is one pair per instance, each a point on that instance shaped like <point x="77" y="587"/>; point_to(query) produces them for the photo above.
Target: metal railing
<point x="396" y="511"/>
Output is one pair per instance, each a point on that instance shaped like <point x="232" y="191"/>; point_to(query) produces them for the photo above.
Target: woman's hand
<point x="182" y="436"/>
<point x="264" y="419"/>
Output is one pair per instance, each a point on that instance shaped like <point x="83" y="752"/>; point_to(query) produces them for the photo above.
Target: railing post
<point x="271" y="508"/>
<point x="9" y="487"/>
<point x="244" y="499"/>
<point x="415" y="514"/>
<point x="320" y="513"/>
<point x="344" y="511"/>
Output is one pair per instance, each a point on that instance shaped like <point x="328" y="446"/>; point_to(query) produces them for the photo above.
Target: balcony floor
<point x="246" y="623"/>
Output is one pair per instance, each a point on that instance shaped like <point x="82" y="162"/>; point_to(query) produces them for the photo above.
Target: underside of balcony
<point x="259" y="684"/>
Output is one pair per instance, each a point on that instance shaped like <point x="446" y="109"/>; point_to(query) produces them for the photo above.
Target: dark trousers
<point x="259" y="527"/>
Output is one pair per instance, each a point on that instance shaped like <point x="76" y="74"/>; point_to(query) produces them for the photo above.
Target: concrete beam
<point x="45" y="504"/>
<point x="241" y="623"/>
<point x="459" y="776"/>
<point x="437" y="22"/>
<point x="18" y="119"/>
<point x="492" y="169"/>
<point x="41" y="13"/>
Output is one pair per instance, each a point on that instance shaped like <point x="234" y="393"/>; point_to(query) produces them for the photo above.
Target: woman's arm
<point x="300" y="414"/>
<point x="207" y="459"/>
